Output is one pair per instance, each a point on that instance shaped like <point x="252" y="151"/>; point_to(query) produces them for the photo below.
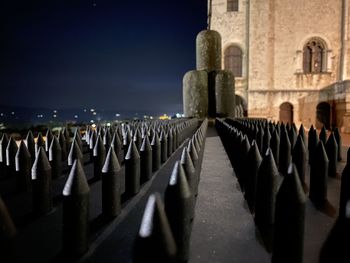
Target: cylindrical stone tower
<point x="208" y="50"/>
<point x="195" y="94"/>
<point x="224" y="93"/>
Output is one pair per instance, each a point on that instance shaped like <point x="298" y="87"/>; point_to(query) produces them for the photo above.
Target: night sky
<point x="113" y="55"/>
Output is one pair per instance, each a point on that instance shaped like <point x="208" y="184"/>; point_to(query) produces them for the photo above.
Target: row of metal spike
<point x="274" y="182"/>
<point x="36" y="174"/>
<point x="164" y="234"/>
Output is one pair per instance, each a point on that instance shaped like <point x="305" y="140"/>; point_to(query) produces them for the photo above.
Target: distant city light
<point x="151" y="117"/>
<point x="54" y="115"/>
<point x="93" y="125"/>
<point x="108" y="124"/>
<point x="13" y="113"/>
<point x="92" y="110"/>
<point x="117" y="115"/>
<point x="1" y="114"/>
<point x="91" y="121"/>
<point x="40" y="115"/>
<point x="54" y="111"/>
<point x="94" y="113"/>
<point x="75" y="116"/>
<point x="164" y="117"/>
<point x="85" y="110"/>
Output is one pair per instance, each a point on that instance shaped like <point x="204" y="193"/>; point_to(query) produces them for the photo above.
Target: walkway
<point x="223" y="229"/>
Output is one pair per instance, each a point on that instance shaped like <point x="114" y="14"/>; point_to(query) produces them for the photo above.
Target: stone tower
<point x="208" y="91"/>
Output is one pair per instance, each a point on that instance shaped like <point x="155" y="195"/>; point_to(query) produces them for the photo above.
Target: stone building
<point x="290" y="59"/>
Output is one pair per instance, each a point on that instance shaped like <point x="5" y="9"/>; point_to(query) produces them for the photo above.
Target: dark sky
<point x="118" y="55"/>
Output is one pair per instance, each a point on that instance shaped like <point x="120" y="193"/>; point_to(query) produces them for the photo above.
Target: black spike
<point x="260" y="138"/>
<point x="332" y="154"/>
<point x="11" y="151"/>
<point x="99" y="157"/>
<point x="193" y="153"/>
<point x="41" y="183"/>
<point x="49" y="137"/>
<point x="318" y="176"/>
<point x="312" y="144"/>
<point x="63" y="144"/>
<point x="107" y="139"/>
<point x="179" y="209"/>
<point x="8" y="233"/>
<point x="190" y="171"/>
<point x="117" y="145"/>
<point x="154" y="242"/>
<point x="75" y="213"/>
<point x="242" y="162"/>
<point x="77" y="138"/>
<point x="31" y="145"/>
<point x="302" y="134"/>
<point x="4" y="170"/>
<point x="23" y="163"/>
<point x="164" y="146"/>
<point x="55" y="157"/>
<point x="39" y="143"/>
<point x="132" y="170"/>
<point x="111" y="201"/>
<point x="344" y="187"/>
<point x="170" y="143"/>
<point x="266" y="139"/>
<point x="156" y="152"/>
<point x="292" y="135"/>
<point x="323" y="135"/>
<point x="339" y="142"/>
<point x="275" y="146"/>
<point x="288" y="237"/>
<point x="266" y="189"/>
<point x="146" y="160"/>
<point x="285" y="157"/>
<point x="299" y="159"/>
<point x="254" y="160"/>
<point x="74" y="153"/>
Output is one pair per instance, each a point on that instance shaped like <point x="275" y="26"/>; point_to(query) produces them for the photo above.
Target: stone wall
<point x="272" y="34"/>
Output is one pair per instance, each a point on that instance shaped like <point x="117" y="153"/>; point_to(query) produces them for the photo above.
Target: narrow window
<point x="313" y="57"/>
<point x="232" y="5"/>
<point x="233" y="60"/>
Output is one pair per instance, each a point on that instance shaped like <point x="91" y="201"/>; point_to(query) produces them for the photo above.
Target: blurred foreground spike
<point x="332" y="154"/>
<point x="41" y="183"/>
<point x="111" y="202"/>
<point x="156" y="152"/>
<point x="31" y="145"/>
<point x="23" y="168"/>
<point x="318" y="176"/>
<point x="132" y="170"/>
<point x="345" y="188"/>
<point x="75" y="213"/>
<point x="8" y="233"/>
<point x="155" y="242"/>
<point x="299" y="159"/>
<point x="190" y="171"/>
<point x="254" y="160"/>
<point x="339" y="142"/>
<point x="146" y="160"/>
<point x="179" y="209"/>
<point x="288" y="240"/>
<point x="55" y="157"/>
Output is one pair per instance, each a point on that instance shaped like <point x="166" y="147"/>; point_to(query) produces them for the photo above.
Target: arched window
<point x="232" y="5"/>
<point x="314" y="56"/>
<point x="233" y="60"/>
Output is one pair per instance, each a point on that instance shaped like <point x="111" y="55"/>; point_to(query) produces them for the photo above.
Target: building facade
<point x="290" y="59"/>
